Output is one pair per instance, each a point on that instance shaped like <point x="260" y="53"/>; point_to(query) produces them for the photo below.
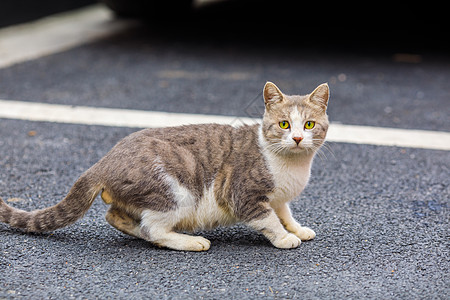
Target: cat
<point x="163" y="183"/>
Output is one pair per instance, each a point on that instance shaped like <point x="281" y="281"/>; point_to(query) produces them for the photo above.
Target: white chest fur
<point x="290" y="175"/>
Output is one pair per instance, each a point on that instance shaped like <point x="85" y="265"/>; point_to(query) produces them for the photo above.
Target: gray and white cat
<point x="160" y="182"/>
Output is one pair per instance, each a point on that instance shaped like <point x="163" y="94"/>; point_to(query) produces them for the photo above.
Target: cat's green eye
<point x="284" y="125"/>
<point x="310" y="125"/>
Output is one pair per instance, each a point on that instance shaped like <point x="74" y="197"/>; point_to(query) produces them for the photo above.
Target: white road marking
<point x="368" y="135"/>
<point x="61" y="32"/>
<point x="107" y="116"/>
<point x="57" y="33"/>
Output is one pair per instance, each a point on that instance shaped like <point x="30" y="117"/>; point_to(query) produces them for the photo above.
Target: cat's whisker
<point x="321" y="155"/>
<point x="326" y="146"/>
<point x="309" y="147"/>
<point x="163" y="181"/>
<point x="276" y="147"/>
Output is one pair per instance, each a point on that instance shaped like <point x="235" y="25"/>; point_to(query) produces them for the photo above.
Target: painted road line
<point x="381" y="136"/>
<point x="31" y="111"/>
<point x="58" y="33"/>
<point x="368" y="135"/>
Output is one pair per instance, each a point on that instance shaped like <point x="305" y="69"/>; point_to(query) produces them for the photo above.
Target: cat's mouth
<point x="297" y="148"/>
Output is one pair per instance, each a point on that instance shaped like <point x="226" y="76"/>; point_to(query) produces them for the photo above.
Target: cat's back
<point x="211" y="140"/>
<point x="202" y="136"/>
<point x="199" y="151"/>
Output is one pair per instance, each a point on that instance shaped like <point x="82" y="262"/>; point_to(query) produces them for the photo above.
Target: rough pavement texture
<point x="143" y="70"/>
<point x="381" y="213"/>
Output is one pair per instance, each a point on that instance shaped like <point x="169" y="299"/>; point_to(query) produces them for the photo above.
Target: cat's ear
<point x="320" y="96"/>
<point x="272" y="93"/>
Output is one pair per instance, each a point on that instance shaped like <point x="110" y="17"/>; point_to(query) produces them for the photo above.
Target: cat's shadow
<point x="234" y="237"/>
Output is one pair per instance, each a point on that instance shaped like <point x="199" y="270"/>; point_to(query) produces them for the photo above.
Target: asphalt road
<point x="381" y="214"/>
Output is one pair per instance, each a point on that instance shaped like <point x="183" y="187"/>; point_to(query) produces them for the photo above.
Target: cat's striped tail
<point x="70" y="209"/>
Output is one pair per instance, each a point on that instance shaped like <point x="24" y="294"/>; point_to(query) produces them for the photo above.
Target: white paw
<point x="196" y="243"/>
<point x="287" y="242"/>
<point x="305" y="233"/>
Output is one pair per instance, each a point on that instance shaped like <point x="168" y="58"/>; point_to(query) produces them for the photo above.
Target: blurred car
<point x="149" y="8"/>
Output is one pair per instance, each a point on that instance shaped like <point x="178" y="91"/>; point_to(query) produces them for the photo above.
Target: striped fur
<point x="160" y="182"/>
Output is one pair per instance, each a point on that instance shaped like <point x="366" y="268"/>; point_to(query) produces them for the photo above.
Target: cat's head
<point x="294" y="124"/>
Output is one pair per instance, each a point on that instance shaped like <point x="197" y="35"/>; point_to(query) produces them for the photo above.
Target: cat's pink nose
<point x="297" y="139"/>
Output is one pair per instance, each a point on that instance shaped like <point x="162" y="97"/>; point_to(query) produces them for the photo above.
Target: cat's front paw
<point x="305" y="233"/>
<point x="288" y="241"/>
<point x="197" y="243"/>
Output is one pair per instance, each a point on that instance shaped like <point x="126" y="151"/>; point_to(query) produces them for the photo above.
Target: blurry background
<point x="381" y="213"/>
<point x="18" y="11"/>
<point x="379" y="24"/>
<point x="385" y="63"/>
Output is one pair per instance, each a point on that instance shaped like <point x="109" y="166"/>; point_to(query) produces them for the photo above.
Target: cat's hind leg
<point x="120" y="219"/>
<point x="157" y="227"/>
<point x="123" y="222"/>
